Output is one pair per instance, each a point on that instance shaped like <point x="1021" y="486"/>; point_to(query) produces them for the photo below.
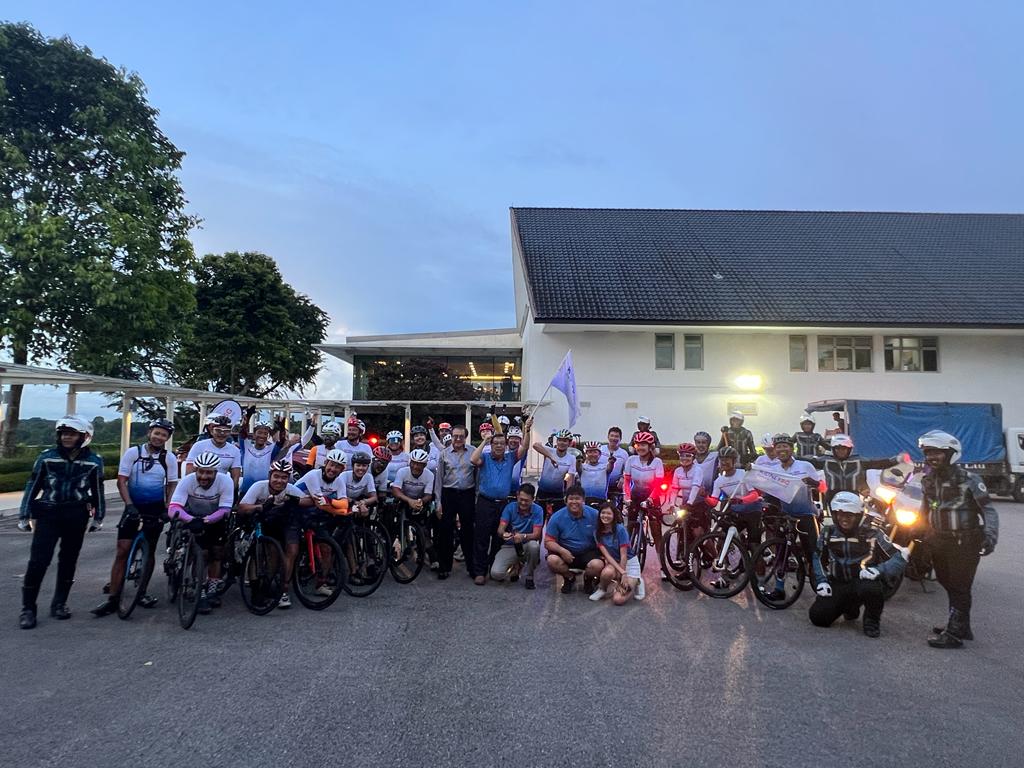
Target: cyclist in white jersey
<point x="642" y="491"/>
<point x="706" y="458"/>
<point x="353" y="443"/>
<point x="419" y="437"/>
<point x="331" y="434"/>
<point x="594" y="472"/>
<point x="218" y="427"/>
<point x="257" y="454"/>
<point x="558" y="471"/>
<point x="399" y="457"/>
<point x="614" y="448"/>
<point x="767" y="459"/>
<point x="359" y="485"/>
<point x="379" y="468"/>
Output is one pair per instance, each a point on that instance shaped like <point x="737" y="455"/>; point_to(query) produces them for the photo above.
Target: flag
<point x="564" y="381"/>
<point x="778" y="484"/>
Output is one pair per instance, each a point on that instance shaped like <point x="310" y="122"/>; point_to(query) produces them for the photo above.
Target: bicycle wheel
<point x="675" y="548"/>
<point x="231" y="563"/>
<point x="367" y="555"/>
<point x="134" y="584"/>
<point x="262" y="580"/>
<point x="193" y="580"/>
<point x="408" y="551"/>
<point x="638" y="541"/>
<point x="777" y="573"/>
<point x="320" y="572"/>
<point x="716" y="571"/>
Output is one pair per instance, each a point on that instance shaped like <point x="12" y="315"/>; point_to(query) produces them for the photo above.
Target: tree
<point x="418" y="378"/>
<point x="252" y="333"/>
<point x="94" y="242"/>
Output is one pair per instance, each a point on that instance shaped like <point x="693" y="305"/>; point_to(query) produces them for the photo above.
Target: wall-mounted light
<point x="749" y="381"/>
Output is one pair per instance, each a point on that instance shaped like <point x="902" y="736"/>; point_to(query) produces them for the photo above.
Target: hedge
<point x="16" y="479"/>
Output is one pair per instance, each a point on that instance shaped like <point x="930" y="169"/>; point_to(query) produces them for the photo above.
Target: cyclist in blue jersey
<point x="146" y="477"/>
<point x="258" y="453"/>
<point x="594" y="473"/>
<point x="559" y="469"/>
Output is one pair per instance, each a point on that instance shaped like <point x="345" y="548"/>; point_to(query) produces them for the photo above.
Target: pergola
<point x="171" y="395"/>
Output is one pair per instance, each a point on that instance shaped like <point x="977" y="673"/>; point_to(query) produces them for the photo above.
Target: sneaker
<point x="777" y="596"/>
<point x="60" y="611"/>
<point x="641" y="591"/>
<point x="284" y="602"/>
<point x="105" y="608"/>
<point x="442" y="575"/>
<point x="589" y="584"/>
<point x="597" y="595"/>
<point x="945" y="640"/>
<point x="27" y="620"/>
<point x="204" y="604"/>
<point x="324" y="591"/>
<point x="530" y="585"/>
<point x="568" y="582"/>
<point x="148" y="601"/>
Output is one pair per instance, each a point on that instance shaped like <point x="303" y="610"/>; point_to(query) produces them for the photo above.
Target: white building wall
<point x="616" y="370"/>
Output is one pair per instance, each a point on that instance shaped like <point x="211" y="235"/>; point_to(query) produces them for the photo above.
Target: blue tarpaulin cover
<point x="885" y="428"/>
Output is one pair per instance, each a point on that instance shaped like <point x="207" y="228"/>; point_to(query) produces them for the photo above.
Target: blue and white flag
<point x="564" y="381"/>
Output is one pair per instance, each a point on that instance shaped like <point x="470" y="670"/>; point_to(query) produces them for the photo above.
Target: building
<point x="685" y="315"/>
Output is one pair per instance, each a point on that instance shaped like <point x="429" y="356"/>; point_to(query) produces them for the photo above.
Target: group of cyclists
<point x="584" y="510"/>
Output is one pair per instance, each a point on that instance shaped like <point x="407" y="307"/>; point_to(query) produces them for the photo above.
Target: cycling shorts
<point x="151" y="519"/>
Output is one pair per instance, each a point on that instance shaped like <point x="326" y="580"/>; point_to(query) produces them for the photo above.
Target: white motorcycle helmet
<point x="942" y="440"/>
<point x="77" y="424"/>
<point x="841" y="441"/>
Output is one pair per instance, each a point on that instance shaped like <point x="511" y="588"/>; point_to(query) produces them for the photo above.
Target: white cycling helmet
<point x="767" y="440"/>
<point x="263" y="424"/>
<point x="394" y="436"/>
<point x="338" y="456"/>
<point x="808" y="417"/>
<point x="419" y="456"/>
<point x="77" y="424"/>
<point x="563" y="434"/>
<point x="942" y="440"/>
<point x="643" y="420"/>
<point x="846" y="501"/>
<point x="737" y="415"/>
<point x="503" y="420"/>
<point x="331" y="428"/>
<point x="515" y="432"/>
<point x="207" y="460"/>
<point x="841" y="441"/>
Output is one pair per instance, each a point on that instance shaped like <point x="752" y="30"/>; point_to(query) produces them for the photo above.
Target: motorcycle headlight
<point x="906" y="517"/>
<point x="885" y="494"/>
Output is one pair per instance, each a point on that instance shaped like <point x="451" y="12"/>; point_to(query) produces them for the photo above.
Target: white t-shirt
<point x="621" y="454"/>
<point x="728" y="483"/>
<point x="414" y="487"/>
<point x="201" y="502"/>
<point x="764" y="461"/>
<point x="398" y="461"/>
<point x="351" y="450"/>
<point x="552" y="478"/>
<point x="687" y="485"/>
<point x="358" y="489"/>
<point x="255" y="462"/>
<point x="642" y="477"/>
<point x="708" y="469"/>
<point x="147" y="481"/>
<point x="229" y="455"/>
<point x="314" y="484"/>
<point x="259" y="492"/>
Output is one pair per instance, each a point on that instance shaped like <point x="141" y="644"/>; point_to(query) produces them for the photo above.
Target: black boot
<point x="952" y="635"/>
<point x="965" y="629"/>
<point x="59" y="606"/>
<point x="872" y="628"/>
<point x="27" y="619"/>
<point x="28" y="607"/>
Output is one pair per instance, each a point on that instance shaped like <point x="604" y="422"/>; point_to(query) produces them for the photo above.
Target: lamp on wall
<point x="749" y="382"/>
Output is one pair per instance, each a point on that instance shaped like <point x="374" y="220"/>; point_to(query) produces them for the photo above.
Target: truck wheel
<point x="1018" y="490"/>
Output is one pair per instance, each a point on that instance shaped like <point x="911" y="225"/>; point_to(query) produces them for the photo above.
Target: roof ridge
<point x="764" y="210"/>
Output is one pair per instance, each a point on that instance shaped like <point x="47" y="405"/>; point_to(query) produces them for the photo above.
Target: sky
<point x="374" y="149"/>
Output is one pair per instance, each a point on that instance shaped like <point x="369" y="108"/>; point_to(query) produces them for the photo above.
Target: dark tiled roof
<point x="775" y="267"/>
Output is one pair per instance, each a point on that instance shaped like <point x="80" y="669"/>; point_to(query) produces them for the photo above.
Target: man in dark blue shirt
<point x="494" y="479"/>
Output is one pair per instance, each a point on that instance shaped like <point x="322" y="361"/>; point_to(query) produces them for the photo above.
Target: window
<point x="693" y="351"/>
<point x="798" y="353"/>
<point x="912" y="353"/>
<point x="844" y="353"/>
<point x="664" y="351"/>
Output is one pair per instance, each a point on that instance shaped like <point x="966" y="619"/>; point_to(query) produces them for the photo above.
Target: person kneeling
<point x="570" y="541"/>
<point x="520" y="529"/>
<point x="621" y="574"/>
<point x="859" y="557"/>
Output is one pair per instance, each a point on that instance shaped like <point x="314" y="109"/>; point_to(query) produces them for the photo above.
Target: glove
<point x="869" y="574"/>
<point x="131" y="511"/>
<point x="824" y="590"/>
<point x="905" y="551"/>
<point x="988" y="546"/>
<point x="268" y="505"/>
<point x="25" y="525"/>
<point x="196" y="525"/>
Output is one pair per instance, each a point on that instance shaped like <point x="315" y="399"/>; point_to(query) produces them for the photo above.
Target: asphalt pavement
<point x="448" y="673"/>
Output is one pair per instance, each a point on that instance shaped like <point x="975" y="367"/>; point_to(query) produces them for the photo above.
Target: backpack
<point x="161" y="457"/>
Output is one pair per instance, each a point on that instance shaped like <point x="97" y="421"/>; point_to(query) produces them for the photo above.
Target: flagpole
<point x="541" y="400"/>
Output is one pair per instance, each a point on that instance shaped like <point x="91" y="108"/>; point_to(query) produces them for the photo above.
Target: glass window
<point x="912" y="353"/>
<point x="844" y="353"/>
<point x="798" y="353"/>
<point x="693" y="346"/>
<point x="664" y="351"/>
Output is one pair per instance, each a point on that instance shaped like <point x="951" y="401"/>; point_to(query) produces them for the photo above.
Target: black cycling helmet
<point x="782" y="437"/>
<point x="360" y="458"/>
<point x="705" y="435"/>
<point x="418" y="430"/>
<point x="728" y="452"/>
<point x="162" y="424"/>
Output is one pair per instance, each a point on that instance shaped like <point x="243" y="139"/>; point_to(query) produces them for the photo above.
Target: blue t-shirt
<point x="615" y="540"/>
<point x="519" y="522"/>
<point x="255" y="463"/>
<point x="494" y="478"/>
<point x="594" y="479"/>
<point x="575" y="534"/>
<point x="517" y="477"/>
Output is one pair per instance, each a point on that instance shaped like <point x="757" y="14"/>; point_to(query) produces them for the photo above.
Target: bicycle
<point x="256" y="561"/>
<point x="407" y="542"/>
<point x="641" y="537"/>
<point x="676" y="543"/>
<point x="778" y="569"/>
<point x="185" y="567"/>
<point x="137" y="573"/>
<point x="321" y="571"/>
<point x="720" y="556"/>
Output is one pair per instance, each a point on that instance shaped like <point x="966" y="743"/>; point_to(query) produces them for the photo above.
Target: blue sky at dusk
<point x="374" y="149"/>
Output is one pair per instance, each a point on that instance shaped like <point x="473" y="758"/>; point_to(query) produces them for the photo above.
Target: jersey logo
<point x="981" y="487"/>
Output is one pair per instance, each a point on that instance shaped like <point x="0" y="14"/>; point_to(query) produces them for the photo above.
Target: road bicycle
<point x="778" y="569"/>
<point x="185" y="567"/>
<point x="137" y="572"/>
<point x="320" y="570"/>
<point x="406" y="538"/>
<point x="719" y="561"/>
<point x="256" y="562"/>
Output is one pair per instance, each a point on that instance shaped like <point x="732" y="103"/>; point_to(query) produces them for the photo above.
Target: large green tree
<point x="252" y="333"/>
<point x="417" y="378"/>
<point x="94" y="247"/>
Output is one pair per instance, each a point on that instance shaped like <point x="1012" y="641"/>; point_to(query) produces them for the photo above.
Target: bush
<point x="14" y="473"/>
<point x="13" y="481"/>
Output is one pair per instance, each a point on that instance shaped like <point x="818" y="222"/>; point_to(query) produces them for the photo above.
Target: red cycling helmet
<point x="644" y="437"/>
<point x="353" y="421"/>
<point x="381" y="453"/>
<point x="486" y="427"/>
<point x="445" y="425"/>
<point x="687" y="448"/>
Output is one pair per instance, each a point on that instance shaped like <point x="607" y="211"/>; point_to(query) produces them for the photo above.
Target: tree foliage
<point x="252" y="332"/>
<point x="94" y="242"/>
<point x="418" y="378"/>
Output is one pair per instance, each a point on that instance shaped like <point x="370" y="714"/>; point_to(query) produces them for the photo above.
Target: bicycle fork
<point x="729" y="536"/>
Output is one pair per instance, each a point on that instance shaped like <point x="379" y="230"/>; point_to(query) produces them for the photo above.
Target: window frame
<point x="853" y="348"/>
<point x="806" y="352"/>
<point x="659" y="346"/>
<point x="923" y="345"/>
<point x="687" y="337"/>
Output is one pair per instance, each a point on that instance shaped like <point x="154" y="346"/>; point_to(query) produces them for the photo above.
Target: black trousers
<point x="455" y="504"/>
<point x="846" y="596"/>
<point x="955" y="559"/>
<point x="485" y="534"/>
<point x="67" y="528"/>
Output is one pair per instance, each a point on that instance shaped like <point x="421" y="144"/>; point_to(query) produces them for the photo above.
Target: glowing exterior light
<point x="749" y="381"/>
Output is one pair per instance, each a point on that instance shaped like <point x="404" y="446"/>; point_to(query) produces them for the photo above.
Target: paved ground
<point x="447" y="673"/>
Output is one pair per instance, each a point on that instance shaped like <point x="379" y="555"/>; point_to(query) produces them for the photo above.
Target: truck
<point x="886" y="428"/>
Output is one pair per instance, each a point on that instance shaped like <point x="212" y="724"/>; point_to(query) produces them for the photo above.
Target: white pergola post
<point x="71" y="401"/>
<point x="469" y="423"/>
<point x="408" y="424"/>
<point x="169" y="415"/>
<point x="2" y="401"/>
<point x="126" y="421"/>
<point x="202" y="415"/>
<point x="303" y="422"/>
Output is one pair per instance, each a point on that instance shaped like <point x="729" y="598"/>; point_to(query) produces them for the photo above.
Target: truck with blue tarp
<point x="889" y="427"/>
